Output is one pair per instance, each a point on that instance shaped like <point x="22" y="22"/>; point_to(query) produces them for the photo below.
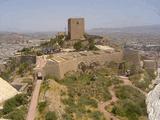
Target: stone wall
<point x="59" y="69"/>
<point x="51" y="69"/>
<point x="30" y="59"/>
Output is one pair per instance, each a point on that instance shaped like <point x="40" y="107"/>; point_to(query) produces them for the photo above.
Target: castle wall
<point x="59" y="69"/>
<point x="102" y="58"/>
<point x="28" y="59"/>
<point x="68" y="66"/>
<point x="52" y="69"/>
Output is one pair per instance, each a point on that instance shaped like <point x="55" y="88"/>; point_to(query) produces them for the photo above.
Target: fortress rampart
<point x="59" y="64"/>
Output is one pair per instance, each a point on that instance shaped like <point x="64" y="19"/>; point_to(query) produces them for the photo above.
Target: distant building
<point x="76" y="28"/>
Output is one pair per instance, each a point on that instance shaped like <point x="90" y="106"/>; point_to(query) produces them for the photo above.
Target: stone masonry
<point x="76" y="28"/>
<point x="60" y="64"/>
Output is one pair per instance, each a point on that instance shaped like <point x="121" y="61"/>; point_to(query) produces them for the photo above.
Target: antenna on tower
<point x="65" y="29"/>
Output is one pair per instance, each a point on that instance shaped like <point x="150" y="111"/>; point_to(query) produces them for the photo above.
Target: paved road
<point x="34" y="100"/>
<point x="41" y="61"/>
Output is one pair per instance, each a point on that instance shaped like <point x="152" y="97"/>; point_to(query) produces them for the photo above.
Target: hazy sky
<point x="52" y="15"/>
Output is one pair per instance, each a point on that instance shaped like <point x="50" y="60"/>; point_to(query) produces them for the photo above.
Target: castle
<point x="59" y="64"/>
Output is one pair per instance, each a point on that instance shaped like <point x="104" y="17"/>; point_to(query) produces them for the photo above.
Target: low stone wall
<point x="28" y="59"/>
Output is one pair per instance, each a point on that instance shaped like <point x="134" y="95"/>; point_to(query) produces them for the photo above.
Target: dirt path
<point x="102" y="105"/>
<point x="34" y="100"/>
<point x="126" y="81"/>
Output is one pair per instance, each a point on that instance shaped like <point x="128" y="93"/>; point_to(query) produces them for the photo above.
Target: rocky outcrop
<point x="153" y="101"/>
<point x="6" y="91"/>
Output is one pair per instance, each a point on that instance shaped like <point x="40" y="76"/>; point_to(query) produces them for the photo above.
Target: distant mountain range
<point x="140" y="34"/>
<point x="12" y="36"/>
<point x="149" y="34"/>
<point x="155" y="29"/>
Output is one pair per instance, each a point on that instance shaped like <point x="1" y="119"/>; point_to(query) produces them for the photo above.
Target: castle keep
<point x="76" y="28"/>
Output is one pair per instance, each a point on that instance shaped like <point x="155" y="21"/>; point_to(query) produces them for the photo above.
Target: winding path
<point x="102" y="105"/>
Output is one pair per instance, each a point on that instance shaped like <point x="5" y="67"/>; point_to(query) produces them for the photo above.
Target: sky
<point x="52" y="15"/>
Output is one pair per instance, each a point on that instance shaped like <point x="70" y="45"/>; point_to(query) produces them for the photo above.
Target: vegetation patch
<point x="42" y="106"/>
<point x="143" y="80"/>
<point x="17" y="114"/>
<point x="85" y="91"/>
<point x="51" y="116"/>
<point x="131" y="103"/>
<point x="15" y="108"/>
<point x="11" y="104"/>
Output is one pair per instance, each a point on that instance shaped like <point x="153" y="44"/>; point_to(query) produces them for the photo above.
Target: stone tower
<point x="76" y="28"/>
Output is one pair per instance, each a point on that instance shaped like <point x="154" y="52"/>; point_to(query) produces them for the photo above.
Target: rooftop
<point x="65" y="56"/>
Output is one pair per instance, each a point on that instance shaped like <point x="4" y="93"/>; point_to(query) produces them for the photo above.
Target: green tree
<point x="11" y="104"/>
<point x="91" y="45"/>
<point x="78" y="46"/>
<point x="17" y="115"/>
<point x="41" y="106"/>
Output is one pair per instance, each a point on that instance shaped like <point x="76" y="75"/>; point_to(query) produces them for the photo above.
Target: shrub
<point x="16" y="115"/>
<point x="78" y="46"/>
<point x="67" y="117"/>
<point x="96" y="115"/>
<point x="131" y="104"/>
<point x="42" y="106"/>
<point x="51" y="116"/>
<point x="127" y="108"/>
<point x="11" y="104"/>
<point x="128" y="92"/>
<point x="87" y="101"/>
<point x="91" y="45"/>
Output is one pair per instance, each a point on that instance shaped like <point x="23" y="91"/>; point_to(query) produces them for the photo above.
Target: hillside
<point x="92" y="95"/>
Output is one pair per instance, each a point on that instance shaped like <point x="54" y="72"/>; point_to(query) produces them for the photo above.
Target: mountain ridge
<point x="130" y="29"/>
